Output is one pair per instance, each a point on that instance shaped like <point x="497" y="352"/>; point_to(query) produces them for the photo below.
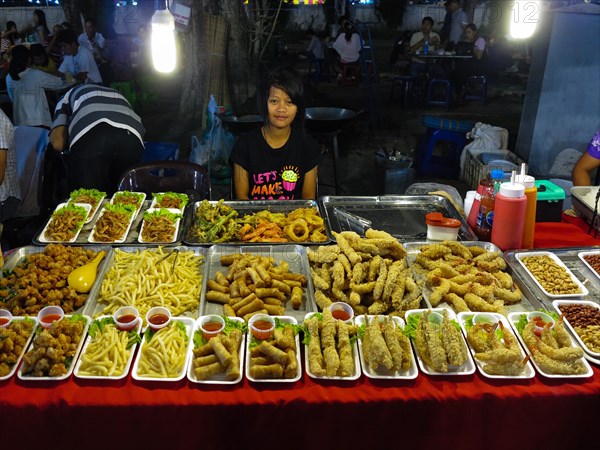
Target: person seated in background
<point x="277" y="161"/>
<point x="39" y="32"/>
<point x="499" y="51"/>
<point x="314" y="51"/>
<point x="347" y="45"/>
<point x="10" y="191"/>
<point x="8" y="37"/>
<point x="474" y="66"/>
<point x="54" y="51"/>
<point x="26" y="89"/>
<point x="41" y="61"/>
<point x="588" y="162"/>
<point x="92" y="40"/>
<point x="417" y="43"/>
<point x="78" y="61"/>
<point x="400" y="53"/>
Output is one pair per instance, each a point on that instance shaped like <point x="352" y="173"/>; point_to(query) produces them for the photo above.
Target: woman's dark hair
<point x="19" y="61"/>
<point x="38" y="50"/>
<point x="289" y="81"/>
<point x="427" y="19"/>
<point x="42" y="19"/>
<point x="9" y="26"/>
<point x="67" y="37"/>
<point x="66" y="26"/>
<point x="473" y="27"/>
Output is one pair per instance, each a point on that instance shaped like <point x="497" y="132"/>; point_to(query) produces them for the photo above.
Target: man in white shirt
<point x="417" y="42"/>
<point x="78" y="60"/>
<point x="92" y="40"/>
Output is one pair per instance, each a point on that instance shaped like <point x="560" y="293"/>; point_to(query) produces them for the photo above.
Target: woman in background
<point x="278" y="160"/>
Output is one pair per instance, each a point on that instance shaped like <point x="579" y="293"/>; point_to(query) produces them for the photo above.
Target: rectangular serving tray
<point x="253" y="207"/>
<point x="294" y="255"/>
<point x="403" y="216"/>
<point x="570" y="258"/>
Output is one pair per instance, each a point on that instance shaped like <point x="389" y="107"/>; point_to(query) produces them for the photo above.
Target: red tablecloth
<point x="427" y="413"/>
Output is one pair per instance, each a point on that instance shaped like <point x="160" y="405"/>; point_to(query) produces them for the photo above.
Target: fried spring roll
<point x="205" y="360"/>
<point x="264" y="274"/>
<point x="220" y="278"/>
<point x="204" y="372"/>
<point x="274" y="310"/>
<point x="291" y="369"/>
<point x="220" y="350"/>
<point x="293" y="283"/>
<point x="245" y="301"/>
<point x="273" y="353"/>
<point x="216" y="296"/>
<point x="283" y="287"/>
<point x="295" y="277"/>
<point x="234" y="289"/>
<point x="284" y="337"/>
<point x="256" y="279"/>
<point x="265" y="372"/>
<point x="206" y="349"/>
<point x="250" y="307"/>
<point x="229" y="311"/>
<point x="249" y="315"/>
<point x="243" y="287"/>
<point x="270" y="292"/>
<point x="272" y="301"/>
<point x="296" y="299"/>
<point x="227" y="260"/>
<point x="259" y="361"/>
<point x="214" y="286"/>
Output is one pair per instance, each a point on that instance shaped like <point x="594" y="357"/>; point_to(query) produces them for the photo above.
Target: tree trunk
<point x="73" y="11"/>
<point x="240" y="67"/>
<point x="469" y="8"/>
<point x="194" y="56"/>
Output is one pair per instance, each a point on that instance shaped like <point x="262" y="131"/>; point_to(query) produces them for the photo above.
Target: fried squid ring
<point x="293" y="228"/>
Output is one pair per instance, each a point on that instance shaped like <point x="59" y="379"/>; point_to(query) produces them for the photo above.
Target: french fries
<point x="163" y="356"/>
<point x="140" y="279"/>
<point x="253" y="285"/>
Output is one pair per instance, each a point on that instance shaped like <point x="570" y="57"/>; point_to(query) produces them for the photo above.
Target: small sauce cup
<point x="261" y="326"/>
<point x="50" y="314"/>
<point x="158" y="317"/>
<point x="5" y="318"/>
<point x="342" y="311"/>
<point x="126" y="318"/>
<point x="211" y="326"/>
<point x="483" y="318"/>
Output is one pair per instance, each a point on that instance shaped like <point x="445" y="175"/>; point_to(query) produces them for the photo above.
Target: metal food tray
<point x="94" y="308"/>
<point x="569" y="256"/>
<point x="132" y="236"/>
<point x="527" y="303"/>
<point x="403" y="216"/>
<point x="20" y="254"/>
<point x="294" y="255"/>
<point x="244" y="207"/>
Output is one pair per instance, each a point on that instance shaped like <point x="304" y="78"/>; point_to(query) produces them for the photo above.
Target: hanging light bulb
<point x="525" y="17"/>
<point x="163" y="41"/>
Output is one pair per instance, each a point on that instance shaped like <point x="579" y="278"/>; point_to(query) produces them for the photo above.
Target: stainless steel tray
<point x="527" y="303"/>
<point x="294" y="255"/>
<point x="20" y="254"/>
<point x="403" y="216"/>
<point x="569" y="256"/>
<point x="252" y="207"/>
<point x="94" y="308"/>
<point x="132" y="236"/>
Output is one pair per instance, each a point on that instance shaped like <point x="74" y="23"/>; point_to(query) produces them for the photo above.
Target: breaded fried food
<point x="376" y="353"/>
<point x="453" y="342"/>
<point x="391" y="340"/>
<point x="330" y="354"/>
<point x="316" y="363"/>
<point x="344" y="350"/>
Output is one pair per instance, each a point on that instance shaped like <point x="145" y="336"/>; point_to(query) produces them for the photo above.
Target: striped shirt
<point x="10" y="187"/>
<point x="87" y="105"/>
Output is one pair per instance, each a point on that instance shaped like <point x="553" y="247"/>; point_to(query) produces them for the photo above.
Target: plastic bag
<point x="486" y="137"/>
<point x="200" y="153"/>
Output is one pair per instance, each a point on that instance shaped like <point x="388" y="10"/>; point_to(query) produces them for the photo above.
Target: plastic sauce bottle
<point x="531" y="193"/>
<point x="474" y="212"/>
<point x="509" y="215"/>
<point x="425" y="50"/>
<point x="485" y="217"/>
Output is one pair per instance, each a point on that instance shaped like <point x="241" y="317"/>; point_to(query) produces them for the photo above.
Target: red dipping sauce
<point x="126" y="318"/>
<point x="340" y="314"/>
<point x="212" y="326"/>
<point x="263" y="325"/>
<point x="4" y="320"/>
<point x="158" y="319"/>
<point x="51" y="318"/>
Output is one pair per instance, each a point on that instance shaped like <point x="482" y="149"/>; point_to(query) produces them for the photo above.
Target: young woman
<point x="277" y="161"/>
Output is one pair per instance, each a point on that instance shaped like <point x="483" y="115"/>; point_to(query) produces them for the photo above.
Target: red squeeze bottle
<point x="509" y="215"/>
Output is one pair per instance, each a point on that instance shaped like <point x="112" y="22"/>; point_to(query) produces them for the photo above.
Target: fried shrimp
<point x="453" y="342"/>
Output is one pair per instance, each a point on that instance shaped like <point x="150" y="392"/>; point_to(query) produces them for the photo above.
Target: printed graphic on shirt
<point x="269" y="186"/>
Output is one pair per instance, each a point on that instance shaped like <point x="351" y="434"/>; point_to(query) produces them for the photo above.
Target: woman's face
<point x="36" y="19"/>
<point x="282" y="111"/>
<point x="469" y="34"/>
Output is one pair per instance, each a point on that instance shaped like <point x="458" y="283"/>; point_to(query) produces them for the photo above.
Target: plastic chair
<point x="406" y="84"/>
<point x="476" y="88"/>
<point x="161" y="176"/>
<point x="431" y="91"/>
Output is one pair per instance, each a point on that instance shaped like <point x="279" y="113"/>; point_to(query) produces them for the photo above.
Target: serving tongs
<point x="174" y="251"/>
<point x="354" y="221"/>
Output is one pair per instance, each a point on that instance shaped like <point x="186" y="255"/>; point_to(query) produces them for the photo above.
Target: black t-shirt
<point x="276" y="174"/>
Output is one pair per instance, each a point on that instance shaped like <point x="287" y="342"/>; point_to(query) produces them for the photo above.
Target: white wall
<point x="23" y="16"/>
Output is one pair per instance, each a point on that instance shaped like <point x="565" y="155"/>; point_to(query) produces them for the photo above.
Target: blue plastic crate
<point x="160" y="151"/>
